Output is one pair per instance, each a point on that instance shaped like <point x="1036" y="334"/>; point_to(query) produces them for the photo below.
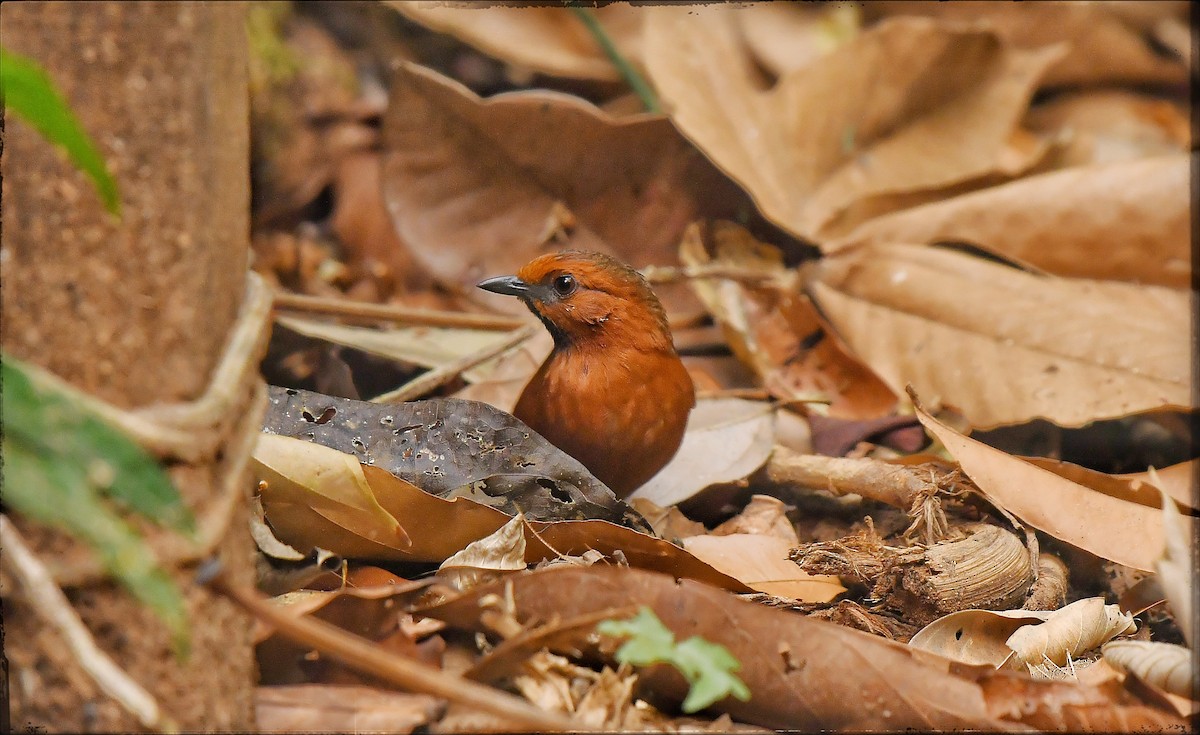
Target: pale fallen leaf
<point x="1107" y="42"/>
<point x="726" y="439"/>
<point x="1005" y="346"/>
<point x="1175" y="565"/>
<point x="1070" y="632"/>
<point x="1107" y="125"/>
<point x="975" y="636"/>
<point x="1163" y="665"/>
<point x="761" y="563"/>
<point x="546" y="39"/>
<point x="668" y="522"/>
<point x="1109" y="527"/>
<point x="501" y="551"/>
<point x="1129" y="220"/>
<point x="907" y="106"/>
<point x="787" y="36"/>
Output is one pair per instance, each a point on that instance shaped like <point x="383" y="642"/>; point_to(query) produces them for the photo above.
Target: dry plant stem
<point x="50" y="604"/>
<point x="443" y="374"/>
<point x="174" y="551"/>
<point x="412" y="676"/>
<point x="399" y="314"/>
<point x="896" y="485"/>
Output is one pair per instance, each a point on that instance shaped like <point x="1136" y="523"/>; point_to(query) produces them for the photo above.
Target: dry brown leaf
<point x="726" y="439"/>
<point x="761" y="562"/>
<point x="1070" y="632"/>
<point x="500" y="552"/>
<point x="799" y="670"/>
<point x="1106" y="126"/>
<point x="1178" y="481"/>
<point x="1109" y="527"/>
<point x="1107" y="41"/>
<point x="549" y="40"/>
<point x="764" y="515"/>
<point x="1005" y="346"/>
<point x="324" y="708"/>
<point x="908" y="106"/>
<point x="1064" y="706"/>
<point x="316" y="494"/>
<point x="1137" y="488"/>
<point x="478" y="187"/>
<point x="787" y="36"/>
<point x="1164" y="665"/>
<point x="499" y="382"/>
<point x="774" y="329"/>
<point x="1121" y="221"/>
<point x="669" y="522"/>
<point x="975" y="636"/>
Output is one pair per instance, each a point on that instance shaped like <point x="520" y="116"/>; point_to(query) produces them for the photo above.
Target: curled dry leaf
<point x="762" y="563"/>
<point x="1070" y="632"/>
<point x="1002" y="345"/>
<point x="1109" y="527"/>
<point x="479" y="187"/>
<point x="975" y="636"/>
<point x="854" y="126"/>
<point x="1106" y="42"/>
<point x="774" y="329"/>
<point x="726" y="439"/>
<point x="1163" y="665"/>
<point x="544" y="39"/>
<point x="1125" y="221"/>
<point x="1175" y="566"/>
<point x="500" y="552"/>
<point x="764" y="515"/>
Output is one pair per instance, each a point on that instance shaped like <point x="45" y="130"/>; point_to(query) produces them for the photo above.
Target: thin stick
<point x="51" y="605"/>
<point x="367" y="657"/>
<point x="392" y="313"/>
<point x="443" y="374"/>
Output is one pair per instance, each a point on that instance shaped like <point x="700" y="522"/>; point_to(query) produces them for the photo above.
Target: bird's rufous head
<point x="590" y="299"/>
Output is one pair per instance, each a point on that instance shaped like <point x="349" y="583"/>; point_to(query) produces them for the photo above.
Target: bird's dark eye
<point x="564" y="285"/>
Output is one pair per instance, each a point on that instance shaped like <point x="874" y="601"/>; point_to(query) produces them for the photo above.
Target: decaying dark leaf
<point x="453" y="448"/>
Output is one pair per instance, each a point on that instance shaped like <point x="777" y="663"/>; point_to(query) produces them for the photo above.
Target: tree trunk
<point x="135" y="312"/>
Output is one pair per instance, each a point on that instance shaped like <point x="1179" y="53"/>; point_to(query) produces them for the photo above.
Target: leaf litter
<point x="788" y="205"/>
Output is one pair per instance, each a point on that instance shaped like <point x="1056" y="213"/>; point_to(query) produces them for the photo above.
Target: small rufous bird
<point x="613" y="394"/>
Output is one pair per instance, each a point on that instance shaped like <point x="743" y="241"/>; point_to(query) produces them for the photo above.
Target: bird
<point x="613" y="392"/>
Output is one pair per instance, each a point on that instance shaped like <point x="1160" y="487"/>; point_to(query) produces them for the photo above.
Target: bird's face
<point x="587" y="298"/>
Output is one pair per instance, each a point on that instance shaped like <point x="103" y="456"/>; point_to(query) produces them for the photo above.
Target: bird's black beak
<point x="507" y="285"/>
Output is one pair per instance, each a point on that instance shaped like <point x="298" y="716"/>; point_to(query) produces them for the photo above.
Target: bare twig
<point x="443" y="374"/>
<point x="50" y="604"/>
<point x="392" y="313"/>
<point x="404" y="672"/>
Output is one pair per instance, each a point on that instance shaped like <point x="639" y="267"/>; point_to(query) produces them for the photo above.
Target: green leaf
<point x="27" y="90"/>
<point x="708" y="667"/>
<point x="58" y="462"/>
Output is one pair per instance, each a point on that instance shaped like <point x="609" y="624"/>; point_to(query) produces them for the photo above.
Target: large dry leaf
<point x="1166" y="666"/>
<point x="307" y="505"/>
<point x="1176" y="566"/>
<point x="1107" y="526"/>
<point x="479" y="187"/>
<point x="787" y="36"/>
<point x="908" y="106"/>
<point x="1141" y="487"/>
<point x="774" y="329"/>
<point x="1005" y="346"/>
<point x="546" y="39"/>
<point x="1129" y="220"/>
<point x="799" y="670"/>
<point x="726" y="439"/>
<point x="1108" y="42"/>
